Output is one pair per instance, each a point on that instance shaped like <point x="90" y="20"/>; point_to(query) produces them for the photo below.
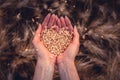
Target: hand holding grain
<point x="73" y="48"/>
<point x="56" y="39"/>
<point x="65" y="61"/>
<point x="41" y="51"/>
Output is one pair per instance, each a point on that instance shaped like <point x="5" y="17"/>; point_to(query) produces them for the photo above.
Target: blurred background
<point x="98" y="23"/>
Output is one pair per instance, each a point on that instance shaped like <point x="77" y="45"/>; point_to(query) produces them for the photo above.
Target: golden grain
<point x="56" y="42"/>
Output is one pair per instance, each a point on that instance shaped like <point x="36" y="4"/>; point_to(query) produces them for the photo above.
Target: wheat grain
<point x="56" y="42"/>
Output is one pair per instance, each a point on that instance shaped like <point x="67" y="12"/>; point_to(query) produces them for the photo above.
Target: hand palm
<point x="73" y="48"/>
<point x="42" y="51"/>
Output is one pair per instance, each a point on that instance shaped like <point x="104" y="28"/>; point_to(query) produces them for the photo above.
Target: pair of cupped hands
<point x="43" y="55"/>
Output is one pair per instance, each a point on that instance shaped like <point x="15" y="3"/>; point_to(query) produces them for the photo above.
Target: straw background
<point x="98" y="23"/>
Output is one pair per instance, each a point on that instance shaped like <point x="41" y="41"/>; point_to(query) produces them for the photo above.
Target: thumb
<point x="37" y="33"/>
<point x="76" y="36"/>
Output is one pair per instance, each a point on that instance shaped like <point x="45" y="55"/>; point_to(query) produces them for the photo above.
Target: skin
<point x="46" y="61"/>
<point x="65" y="61"/>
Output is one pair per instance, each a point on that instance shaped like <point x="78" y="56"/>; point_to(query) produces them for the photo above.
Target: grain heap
<point x="56" y="42"/>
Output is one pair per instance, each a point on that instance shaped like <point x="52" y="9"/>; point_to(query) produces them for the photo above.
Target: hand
<point x="45" y="67"/>
<point x="72" y="50"/>
<point x="65" y="61"/>
<point x="45" y="64"/>
<point x="42" y="53"/>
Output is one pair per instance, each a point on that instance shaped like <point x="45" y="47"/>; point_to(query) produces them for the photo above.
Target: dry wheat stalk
<point x="56" y="42"/>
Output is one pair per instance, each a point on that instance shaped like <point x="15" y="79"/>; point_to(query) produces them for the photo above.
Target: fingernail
<point x="66" y="17"/>
<point x="39" y="24"/>
<point x="75" y="27"/>
<point x="61" y="17"/>
<point x="53" y="15"/>
<point x="49" y="13"/>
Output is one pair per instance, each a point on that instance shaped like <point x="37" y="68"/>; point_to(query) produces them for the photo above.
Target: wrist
<point x="64" y="60"/>
<point x="45" y="62"/>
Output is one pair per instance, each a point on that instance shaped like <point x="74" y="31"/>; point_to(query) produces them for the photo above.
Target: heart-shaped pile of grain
<point x="56" y="41"/>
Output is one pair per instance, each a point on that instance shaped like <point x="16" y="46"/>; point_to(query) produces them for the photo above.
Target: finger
<point x="52" y="21"/>
<point x="46" y="20"/>
<point x="37" y="33"/>
<point x="68" y="23"/>
<point x="55" y="21"/>
<point x="76" y="36"/>
<point x="58" y="23"/>
<point x="62" y="22"/>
